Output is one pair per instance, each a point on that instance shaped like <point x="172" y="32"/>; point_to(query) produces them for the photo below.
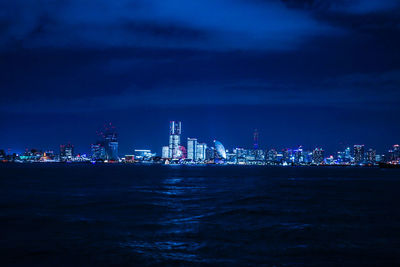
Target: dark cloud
<point x="170" y="23"/>
<point x="256" y="59"/>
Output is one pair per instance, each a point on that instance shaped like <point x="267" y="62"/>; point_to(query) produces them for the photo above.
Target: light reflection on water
<point x="179" y="221"/>
<point x="136" y="215"/>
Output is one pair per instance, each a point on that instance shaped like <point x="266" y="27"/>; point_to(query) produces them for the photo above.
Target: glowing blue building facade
<point x="220" y="150"/>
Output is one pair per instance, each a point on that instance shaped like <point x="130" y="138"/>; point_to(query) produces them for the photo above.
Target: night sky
<point x="312" y="73"/>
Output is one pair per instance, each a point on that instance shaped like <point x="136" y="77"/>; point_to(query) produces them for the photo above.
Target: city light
<point x="105" y="150"/>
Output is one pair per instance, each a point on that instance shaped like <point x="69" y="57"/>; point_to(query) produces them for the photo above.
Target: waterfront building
<point x="396" y="152"/>
<point x="318" y="156"/>
<point x="106" y="148"/>
<point x="182" y="153"/>
<point x="175" y="130"/>
<point x="341" y="157"/>
<point x="370" y="155"/>
<point x="347" y="153"/>
<point x="220" y="152"/>
<point x="298" y="155"/>
<point x="358" y="153"/>
<point x="112" y="153"/>
<point x="130" y="158"/>
<point x="66" y="152"/>
<point x="272" y="156"/>
<point x="231" y="157"/>
<point x="330" y="160"/>
<point x="307" y="157"/>
<point x="98" y="152"/>
<point x="191" y="148"/>
<point x="379" y="158"/>
<point x="143" y="154"/>
<point x="210" y="153"/>
<point x="260" y="154"/>
<point x="165" y="152"/>
<point x="279" y="157"/>
<point x="241" y="155"/>
<point x="286" y="155"/>
<point x="201" y="152"/>
<point x="255" y="139"/>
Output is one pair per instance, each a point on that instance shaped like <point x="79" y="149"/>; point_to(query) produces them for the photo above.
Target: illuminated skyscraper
<point x="370" y="155"/>
<point x="271" y="156"/>
<point x="358" y="153"/>
<point x="111" y="144"/>
<point x="201" y="151"/>
<point x="396" y="152"/>
<point x="241" y="155"/>
<point x="106" y="148"/>
<point x="98" y="152"/>
<point x="66" y="152"/>
<point x="165" y="152"/>
<point x="318" y="156"/>
<point x="298" y="155"/>
<point x="174" y="139"/>
<point x="191" y="148"/>
<point x="347" y="153"/>
<point x="286" y="155"/>
<point x="255" y="139"/>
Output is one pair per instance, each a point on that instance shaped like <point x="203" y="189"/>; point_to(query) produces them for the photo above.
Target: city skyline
<point x="106" y="149"/>
<point x="251" y="143"/>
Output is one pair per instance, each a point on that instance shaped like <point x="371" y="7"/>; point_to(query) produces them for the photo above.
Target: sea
<point x="160" y="215"/>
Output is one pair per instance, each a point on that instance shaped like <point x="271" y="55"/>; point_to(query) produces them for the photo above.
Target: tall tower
<point x="174" y="139"/>
<point x="255" y="139"/>
<point x="191" y="148"/>
<point x="318" y="156"/>
<point x="66" y="152"/>
<point x="358" y="153"/>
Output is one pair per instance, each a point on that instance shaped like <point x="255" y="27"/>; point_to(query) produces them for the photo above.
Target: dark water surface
<point x="74" y="215"/>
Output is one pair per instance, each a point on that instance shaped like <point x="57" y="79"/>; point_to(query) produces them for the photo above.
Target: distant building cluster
<point x="193" y="151"/>
<point x="105" y="149"/>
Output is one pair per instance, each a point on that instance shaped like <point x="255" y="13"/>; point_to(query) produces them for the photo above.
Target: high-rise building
<point x="165" y="152"/>
<point x="379" y="158"/>
<point x="272" y="156"/>
<point x="112" y="153"/>
<point x="307" y="156"/>
<point x="66" y="152"/>
<point x="318" y="156"/>
<point x="341" y="157"/>
<point x="259" y="155"/>
<point x="255" y="139"/>
<point x="201" y="152"/>
<point x="286" y="155"/>
<point x="370" y="155"/>
<point x="347" y="153"/>
<point x="298" y="155"/>
<point x="241" y="155"/>
<point x="98" y="152"/>
<point x="106" y="148"/>
<point x="111" y="144"/>
<point x="191" y="149"/>
<point x="396" y="152"/>
<point x="175" y="131"/>
<point x="358" y="153"/>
